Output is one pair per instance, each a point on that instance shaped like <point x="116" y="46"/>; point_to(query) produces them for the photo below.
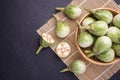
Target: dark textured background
<point x="19" y="20"/>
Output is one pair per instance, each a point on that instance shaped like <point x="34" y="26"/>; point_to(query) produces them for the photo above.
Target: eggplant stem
<point x="88" y="51"/>
<point x="90" y="55"/>
<point x="86" y="27"/>
<point x="78" y="23"/>
<point x="82" y="27"/>
<point x="39" y="49"/>
<point x="60" y="9"/>
<point x="89" y="10"/>
<point x="65" y="70"/>
<point x="55" y="17"/>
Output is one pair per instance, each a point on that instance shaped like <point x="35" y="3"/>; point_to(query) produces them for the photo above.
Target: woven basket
<point x="81" y="50"/>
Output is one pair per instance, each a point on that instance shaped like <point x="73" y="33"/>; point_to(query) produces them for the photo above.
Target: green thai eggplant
<point x="72" y="11"/>
<point x="116" y="48"/>
<point x="62" y="29"/>
<point x="114" y="34"/>
<point x="102" y="44"/>
<point x="85" y="39"/>
<point x="103" y="14"/>
<point x="116" y="20"/>
<point x="107" y="56"/>
<point x="98" y="28"/>
<point x="77" y="67"/>
<point x="87" y="21"/>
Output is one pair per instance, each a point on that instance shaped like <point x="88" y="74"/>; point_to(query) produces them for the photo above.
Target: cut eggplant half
<point x="63" y="49"/>
<point x="45" y="41"/>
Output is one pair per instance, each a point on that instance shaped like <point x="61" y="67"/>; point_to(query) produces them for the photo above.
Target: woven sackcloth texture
<point x="93" y="72"/>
